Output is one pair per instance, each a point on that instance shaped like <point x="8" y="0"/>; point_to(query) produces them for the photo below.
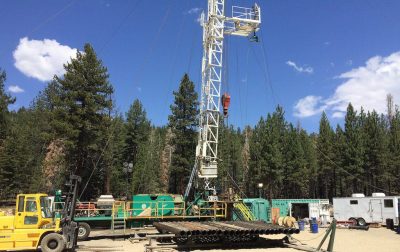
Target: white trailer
<point x="374" y="209"/>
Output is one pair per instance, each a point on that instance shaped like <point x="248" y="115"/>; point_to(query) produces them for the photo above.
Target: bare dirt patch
<point x="376" y="239"/>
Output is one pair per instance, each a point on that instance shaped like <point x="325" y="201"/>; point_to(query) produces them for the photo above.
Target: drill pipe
<point x="201" y="227"/>
<point x="169" y="227"/>
<point x="253" y="229"/>
<point x="226" y="230"/>
<point x="261" y="226"/>
<point x="238" y="230"/>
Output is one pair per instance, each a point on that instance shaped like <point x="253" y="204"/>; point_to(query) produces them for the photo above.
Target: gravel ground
<point x="376" y="239"/>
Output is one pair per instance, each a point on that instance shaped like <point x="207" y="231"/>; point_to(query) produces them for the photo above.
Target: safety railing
<point x="245" y="13"/>
<point x="245" y="211"/>
<point x="147" y="209"/>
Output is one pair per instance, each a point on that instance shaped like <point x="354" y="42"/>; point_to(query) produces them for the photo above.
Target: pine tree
<point x="5" y="101"/>
<point x="294" y="184"/>
<point x="165" y="160"/>
<point x="376" y="173"/>
<point x="326" y="167"/>
<point x="394" y="147"/>
<point x="146" y="172"/>
<point x="339" y="148"/>
<point x="353" y="152"/>
<point x="267" y="157"/>
<point x="82" y="115"/>
<point x="229" y="153"/>
<point x="183" y="122"/>
<point x="137" y="131"/>
<point x="309" y="176"/>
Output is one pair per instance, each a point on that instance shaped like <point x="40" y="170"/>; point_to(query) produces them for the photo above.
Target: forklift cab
<point x="32" y="211"/>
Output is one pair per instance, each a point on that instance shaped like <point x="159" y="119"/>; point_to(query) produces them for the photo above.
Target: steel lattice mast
<point x="244" y="22"/>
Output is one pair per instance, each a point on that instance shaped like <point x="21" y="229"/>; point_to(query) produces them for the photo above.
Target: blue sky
<point x="319" y="55"/>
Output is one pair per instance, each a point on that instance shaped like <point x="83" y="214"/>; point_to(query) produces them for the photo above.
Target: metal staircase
<point x="118" y="217"/>
<point x="243" y="212"/>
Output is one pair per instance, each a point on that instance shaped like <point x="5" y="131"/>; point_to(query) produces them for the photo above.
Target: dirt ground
<point x="376" y="239"/>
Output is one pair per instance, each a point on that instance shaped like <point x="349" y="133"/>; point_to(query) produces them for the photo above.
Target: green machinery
<point x="260" y="208"/>
<point x="298" y="208"/>
<point x="142" y="210"/>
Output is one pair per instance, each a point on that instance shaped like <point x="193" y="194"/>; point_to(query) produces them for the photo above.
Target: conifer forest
<point x="72" y="126"/>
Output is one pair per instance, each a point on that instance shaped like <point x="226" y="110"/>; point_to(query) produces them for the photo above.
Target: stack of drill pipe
<point x="236" y="230"/>
<point x="272" y="229"/>
<point x="264" y="228"/>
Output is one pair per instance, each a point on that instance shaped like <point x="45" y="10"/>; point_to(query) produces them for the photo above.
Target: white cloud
<point x="193" y="10"/>
<point x="338" y="114"/>
<point x="300" y="69"/>
<point x="308" y="106"/>
<point x="327" y="43"/>
<point x="15" y="89"/>
<point x="42" y="59"/>
<point x="365" y="86"/>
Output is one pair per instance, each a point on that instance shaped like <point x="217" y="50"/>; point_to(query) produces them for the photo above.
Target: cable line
<point x="119" y="26"/>
<point x="153" y="43"/>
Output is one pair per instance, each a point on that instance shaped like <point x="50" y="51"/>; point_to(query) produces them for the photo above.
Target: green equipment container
<point x="259" y="207"/>
<point x="153" y="205"/>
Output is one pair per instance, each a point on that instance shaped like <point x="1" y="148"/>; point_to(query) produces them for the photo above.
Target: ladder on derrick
<point x="118" y="217"/>
<point x="243" y="212"/>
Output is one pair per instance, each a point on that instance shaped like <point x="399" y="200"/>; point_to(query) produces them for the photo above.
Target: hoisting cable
<point x="237" y="186"/>
<point x="266" y="67"/>
<point x="119" y="26"/>
<point x="98" y="160"/>
<point x="37" y="27"/>
<point x="52" y="17"/>
<point x="239" y="83"/>
<point x="173" y="65"/>
<point x="139" y="70"/>
<point x="266" y="83"/>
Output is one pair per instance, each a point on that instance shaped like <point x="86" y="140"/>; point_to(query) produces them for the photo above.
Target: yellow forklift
<point x="34" y="224"/>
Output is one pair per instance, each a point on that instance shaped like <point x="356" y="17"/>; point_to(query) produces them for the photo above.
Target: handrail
<point x="156" y="209"/>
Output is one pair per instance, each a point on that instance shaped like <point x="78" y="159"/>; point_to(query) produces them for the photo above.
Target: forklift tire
<point x="83" y="231"/>
<point x="52" y="242"/>
<point x="361" y="222"/>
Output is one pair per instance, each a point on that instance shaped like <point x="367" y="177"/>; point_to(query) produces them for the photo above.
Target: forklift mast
<point x="68" y="225"/>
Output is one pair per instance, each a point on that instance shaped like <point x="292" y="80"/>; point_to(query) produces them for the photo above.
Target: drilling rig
<point x="243" y="22"/>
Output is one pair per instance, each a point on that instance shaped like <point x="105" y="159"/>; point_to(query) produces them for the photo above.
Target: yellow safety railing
<point x="245" y="211"/>
<point x="117" y="220"/>
<point x="149" y="210"/>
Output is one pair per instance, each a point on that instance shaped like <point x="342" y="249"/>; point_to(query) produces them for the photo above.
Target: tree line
<point x="72" y="127"/>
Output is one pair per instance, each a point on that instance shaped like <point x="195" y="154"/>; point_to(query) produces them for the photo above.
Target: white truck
<point x="374" y="209"/>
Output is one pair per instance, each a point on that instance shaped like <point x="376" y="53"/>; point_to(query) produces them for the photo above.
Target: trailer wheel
<point x="361" y="222"/>
<point x="52" y="242"/>
<point x="354" y="221"/>
<point x="83" y="231"/>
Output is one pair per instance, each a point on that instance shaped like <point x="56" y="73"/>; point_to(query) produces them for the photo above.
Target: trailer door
<point x="376" y="210"/>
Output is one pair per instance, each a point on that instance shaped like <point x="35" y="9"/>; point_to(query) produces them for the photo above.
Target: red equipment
<point x="226" y="100"/>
